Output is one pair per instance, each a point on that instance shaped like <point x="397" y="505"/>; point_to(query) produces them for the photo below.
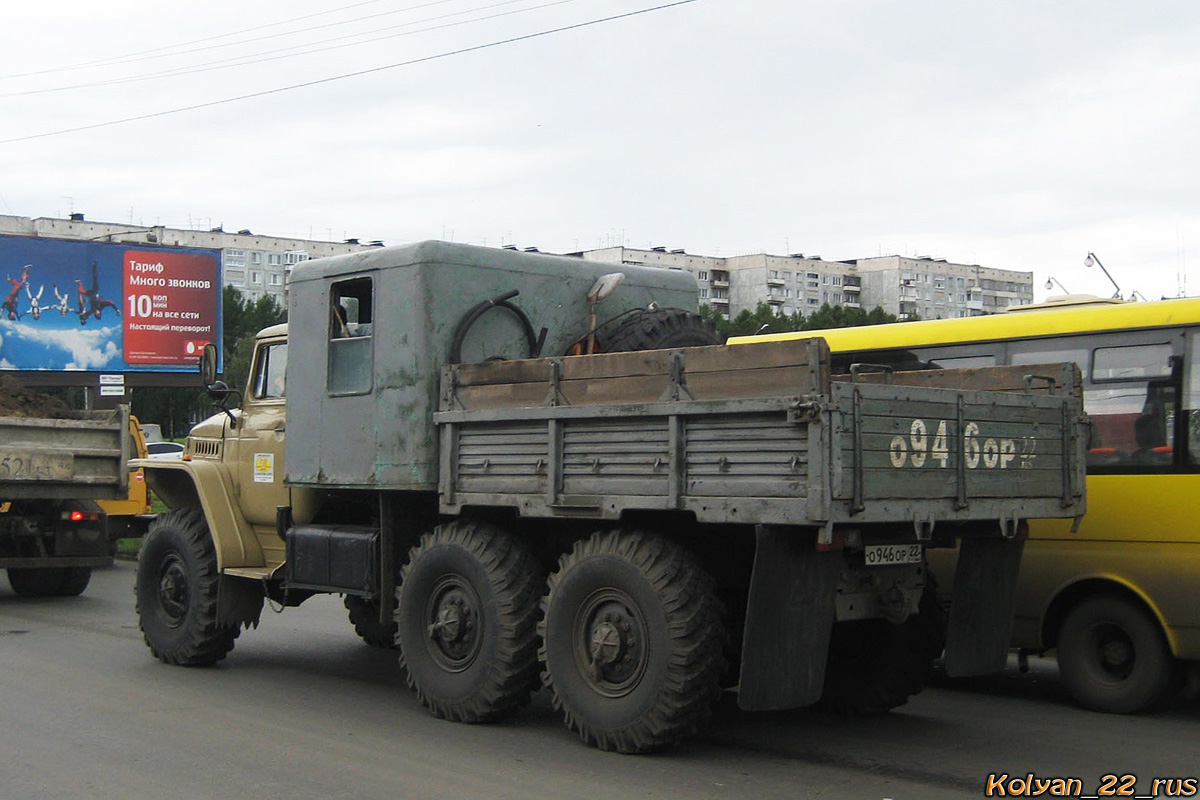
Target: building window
<point x="274" y="259"/>
<point x="703" y="275"/>
<point x="256" y="277"/>
<point x="255" y="257"/>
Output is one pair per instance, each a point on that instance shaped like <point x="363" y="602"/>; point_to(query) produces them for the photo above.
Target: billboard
<point x="106" y="307"/>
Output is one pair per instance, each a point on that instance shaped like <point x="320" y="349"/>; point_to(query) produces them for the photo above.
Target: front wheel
<point x="1113" y="656"/>
<point x="633" y="641"/>
<point x="467" y="621"/>
<point x="177" y="582"/>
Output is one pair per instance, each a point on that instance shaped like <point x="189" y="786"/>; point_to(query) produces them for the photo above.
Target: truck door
<point x="261" y="436"/>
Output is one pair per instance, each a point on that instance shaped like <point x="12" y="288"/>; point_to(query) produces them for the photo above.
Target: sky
<point x="1019" y="135"/>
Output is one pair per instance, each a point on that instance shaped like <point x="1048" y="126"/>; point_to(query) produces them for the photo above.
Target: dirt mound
<point x="18" y="401"/>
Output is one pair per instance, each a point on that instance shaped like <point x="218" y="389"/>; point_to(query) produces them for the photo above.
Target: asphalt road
<point x="302" y="709"/>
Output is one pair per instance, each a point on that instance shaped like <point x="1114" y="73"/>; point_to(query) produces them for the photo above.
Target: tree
<point x="764" y="319"/>
<point x="243" y="320"/>
<point x="176" y="408"/>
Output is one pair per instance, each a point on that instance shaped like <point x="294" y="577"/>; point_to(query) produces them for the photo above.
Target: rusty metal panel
<point x="627" y="456"/>
<point x="502" y="458"/>
<point x="758" y="455"/>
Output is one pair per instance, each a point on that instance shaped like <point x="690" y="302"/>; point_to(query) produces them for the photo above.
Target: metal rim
<point x="453" y="615"/>
<point x="609" y="639"/>
<point x="174" y="590"/>
<point x="1114" y="654"/>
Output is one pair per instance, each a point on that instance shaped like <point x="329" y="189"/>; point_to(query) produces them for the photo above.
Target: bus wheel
<point x="467" y="621"/>
<point x="176" y="590"/>
<point x="633" y="641"/>
<point x="36" y="582"/>
<point x="364" y="616"/>
<point x="875" y="665"/>
<point x="1113" y="657"/>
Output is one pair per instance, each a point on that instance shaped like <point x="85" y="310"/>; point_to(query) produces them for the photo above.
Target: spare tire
<point x="661" y="329"/>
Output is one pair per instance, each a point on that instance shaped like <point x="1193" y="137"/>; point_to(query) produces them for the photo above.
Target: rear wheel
<point x="177" y="583"/>
<point x="1113" y="656"/>
<point x="36" y="582"/>
<point x="633" y="641"/>
<point x="661" y="329"/>
<point x="74" y="581"/>
<point x="467" y="621"/>
<point x="875" y="665"/>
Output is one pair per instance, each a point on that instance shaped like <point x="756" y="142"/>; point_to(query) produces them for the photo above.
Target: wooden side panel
<point x="771" y="369"/>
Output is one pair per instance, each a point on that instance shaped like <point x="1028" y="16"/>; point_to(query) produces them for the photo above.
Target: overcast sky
<point x="1018" y="135"/>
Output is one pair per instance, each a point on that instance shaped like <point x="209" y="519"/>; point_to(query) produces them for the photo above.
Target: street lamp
<point x="1052" y="281"/>
<point x="1090" y="260"/>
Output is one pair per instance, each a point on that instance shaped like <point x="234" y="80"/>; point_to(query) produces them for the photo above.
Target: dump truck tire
<point x="467" y="621"/>
<point x="364" y="616"/>
<point x="74" y="581"/>
<point x="632" y="641"/>
<point x="36" y="582"/>
<point x="661" y="329"/>
<point x="177" y="583"/>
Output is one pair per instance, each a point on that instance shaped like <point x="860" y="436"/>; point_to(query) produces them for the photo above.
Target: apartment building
<point x="905" y="286"/>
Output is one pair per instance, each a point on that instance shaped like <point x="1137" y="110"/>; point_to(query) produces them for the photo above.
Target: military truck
<point x="526" y="470"/>
<point x="53" y="474"/>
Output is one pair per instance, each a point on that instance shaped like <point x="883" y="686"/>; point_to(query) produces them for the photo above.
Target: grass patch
<point x="128" y="548"/>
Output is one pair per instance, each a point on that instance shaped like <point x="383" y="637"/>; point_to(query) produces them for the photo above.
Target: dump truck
<point x="54" y="472"/>
<point x="527" y="471"/>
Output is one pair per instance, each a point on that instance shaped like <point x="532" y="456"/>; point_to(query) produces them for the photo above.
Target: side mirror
<point x="208" y="364"/>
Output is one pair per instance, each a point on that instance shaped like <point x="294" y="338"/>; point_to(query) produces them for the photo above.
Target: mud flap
<point x="239" y="602"/>
<point x="981" y="610"/>
<point x="789" y="616"/>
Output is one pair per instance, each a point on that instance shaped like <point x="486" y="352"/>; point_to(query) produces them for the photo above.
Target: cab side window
<point x="269" y="372"/>
<point x="351" y="318"/>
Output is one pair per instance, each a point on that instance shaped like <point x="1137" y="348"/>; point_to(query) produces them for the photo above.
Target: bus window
<point x="1131" y="362"/>
<point x="963" y="362"/>
<point x="1191" y="398"/>
<point x="1024" y="353"/>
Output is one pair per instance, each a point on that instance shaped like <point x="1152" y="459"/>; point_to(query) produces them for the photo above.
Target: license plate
<point x="885" y="555"/>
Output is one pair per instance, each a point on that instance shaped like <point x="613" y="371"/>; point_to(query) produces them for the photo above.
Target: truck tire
<point x="364" y="616"/>
<point x="1113" y="656"/>
<point x="875" y="665"/>
<point x="632" y="641"/>
<point x="177" y="583"/>
<point x="74" y="581"/>
<point x="661" y="329"/>
<point x="36" y="582"/>
<point x="467" y="621"/>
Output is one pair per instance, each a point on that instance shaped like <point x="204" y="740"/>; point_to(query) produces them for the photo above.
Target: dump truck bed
<point x="760" y="434"/>
<point x="81" y="458"/>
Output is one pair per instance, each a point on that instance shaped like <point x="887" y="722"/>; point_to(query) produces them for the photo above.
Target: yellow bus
<point x="1120" y="599"/>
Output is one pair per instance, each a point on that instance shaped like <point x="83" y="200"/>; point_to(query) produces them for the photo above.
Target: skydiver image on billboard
<point x="35" y="306"/>
<point x="90" y="303"/>
<point x="64" y="302"/>
<point x="10" y="302"/>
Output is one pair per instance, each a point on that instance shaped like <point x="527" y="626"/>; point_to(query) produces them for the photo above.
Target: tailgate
<point x="943" y="453"/>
